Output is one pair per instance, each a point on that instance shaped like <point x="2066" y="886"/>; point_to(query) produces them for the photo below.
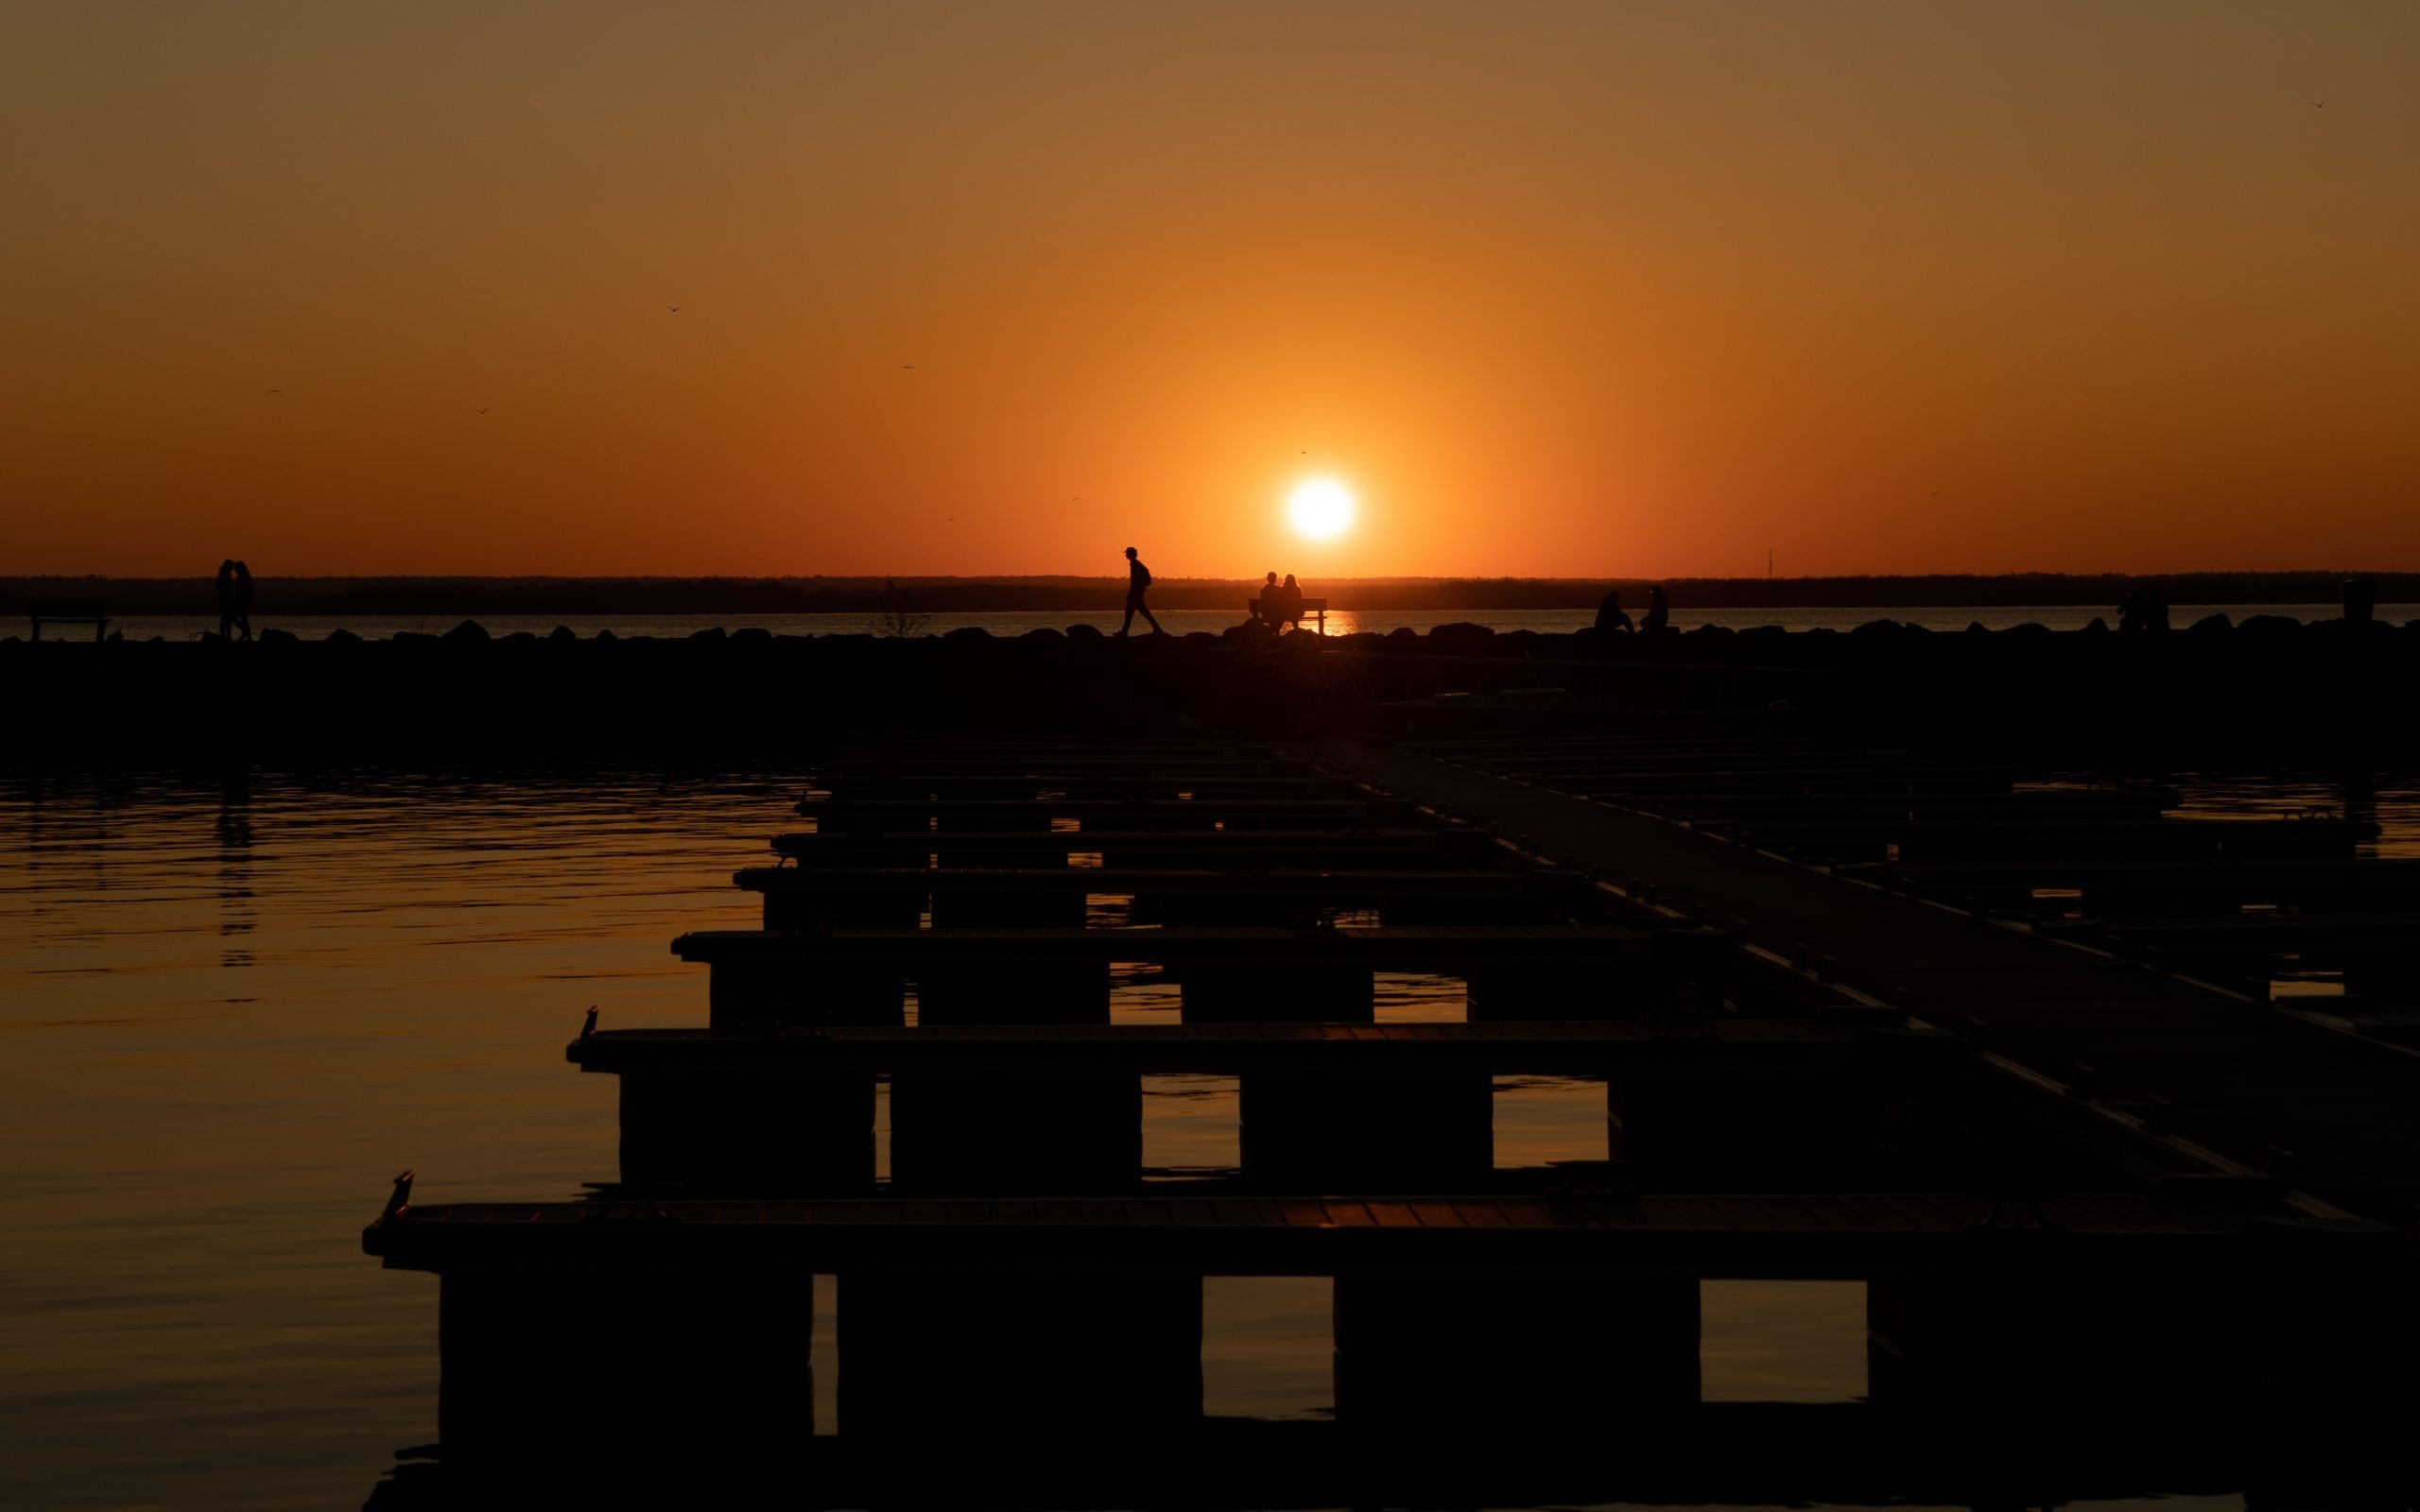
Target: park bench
<point x="1314" y="610"/>
<point x="77" y="613"/>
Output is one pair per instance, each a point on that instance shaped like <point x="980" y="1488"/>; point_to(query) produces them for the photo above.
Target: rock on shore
<point x="2269" y="690"/>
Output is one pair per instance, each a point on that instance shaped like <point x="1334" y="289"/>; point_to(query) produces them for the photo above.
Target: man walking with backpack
<point x="1138" y="577"/>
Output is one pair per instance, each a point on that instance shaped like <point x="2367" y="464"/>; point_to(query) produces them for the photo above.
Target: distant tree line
<point x="592" y="597"/>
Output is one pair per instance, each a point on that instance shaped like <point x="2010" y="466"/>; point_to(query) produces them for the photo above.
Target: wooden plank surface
<point x="1773" y="1234"/>
<point x="1508" y="1048"/>
<point x="1400" y="948"/>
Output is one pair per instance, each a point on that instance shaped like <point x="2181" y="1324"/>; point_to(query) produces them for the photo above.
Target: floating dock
<point x="2266" y="1083"/>
<point x="2072" y="1183"/>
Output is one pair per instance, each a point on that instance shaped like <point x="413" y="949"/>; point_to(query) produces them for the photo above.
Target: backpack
<point x="1142" y="574"/>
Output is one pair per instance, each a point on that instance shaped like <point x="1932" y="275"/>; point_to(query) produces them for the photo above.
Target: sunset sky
<point x="1555" y="289"/>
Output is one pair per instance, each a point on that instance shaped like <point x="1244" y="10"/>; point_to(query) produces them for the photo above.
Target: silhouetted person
<point x="2144" y="610"/>
<point x="1289" y="601"/>
<point x="243" y="600"/>
<point x="1138" y="578"/>
<point x="1610" y="615"/>
<point x="2360" y="600"/>
<point x="1659" y="612"/>
<point x="1266" y="611"/>
<point x="226" y="590"/>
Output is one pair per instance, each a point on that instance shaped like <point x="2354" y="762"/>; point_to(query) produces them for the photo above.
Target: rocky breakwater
<point x="2265" y="689"/>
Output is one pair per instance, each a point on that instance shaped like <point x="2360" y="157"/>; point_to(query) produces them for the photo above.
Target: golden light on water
<point x="1320" y="508"/>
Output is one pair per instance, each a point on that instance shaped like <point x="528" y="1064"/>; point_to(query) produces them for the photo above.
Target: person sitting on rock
<point x="1610" y="616"/>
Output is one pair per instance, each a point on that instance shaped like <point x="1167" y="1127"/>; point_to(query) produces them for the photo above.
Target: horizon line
<point x="1170" y="579"/>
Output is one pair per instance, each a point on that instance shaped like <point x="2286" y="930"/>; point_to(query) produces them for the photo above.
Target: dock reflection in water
<point x="225" y="1009"/>
<point x="231" y="1009"/>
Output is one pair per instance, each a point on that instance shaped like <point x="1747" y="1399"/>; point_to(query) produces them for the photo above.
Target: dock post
<point x="1413" y="911"/>
<point x="1447" y="1352"/>
<point x="1294" y="992"/>
<point x="1215" y="910"/>
<point x="1055" y="1134"/>
<point x="797" y="908"/>
<point x="768" y="1134"/>
<point x="1307" y="1132"/>
<point x="1073" y="992"/>
<point x="949" y="1357"/>
<point x="1058" y="1133"/>
<point x="2013" y="1342"/>
<point x="1393" y="1131"/>
<point x="959" y="826"/>
<point x="1525" y="994"/>
<point x="535" y="1364"/>
<point x="1712" y="1126"/>
<point x="742" y="994"/>
<point x="1009" y="820"/>
<point x="2391" y="979"/>
<point x="1033" y="909"/>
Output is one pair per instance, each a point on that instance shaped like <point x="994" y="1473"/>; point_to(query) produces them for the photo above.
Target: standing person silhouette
<point x="1138" y="577"/>
<point x="226" y="589"/>
<point x="243" y="600"/>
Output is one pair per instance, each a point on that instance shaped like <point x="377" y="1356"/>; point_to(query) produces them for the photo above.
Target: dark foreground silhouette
<point x="1734" y="1455"/>
<point x="1138" y="582"/>
<point x="743" y="598"/>
<point x="2329" y="693"/>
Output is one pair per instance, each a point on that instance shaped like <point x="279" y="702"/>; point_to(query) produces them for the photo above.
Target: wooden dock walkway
<point x="2121" y="886"/>
<point x="1142" y="783"/>
<point x="1711" y="1454"/>
<point x="1187" y="847"/>
<point x="1765" y="1236"/>
<point x="1906" y="839"/>
<point x="1145" y="813"/>
<point x="1423" y="948"/>
<point x="2262" y="1086"/>
<point x="1322" y="885"/>
<point x="1586" y="1048"/>
<point x="2033" y="1243"/>
<point x="796" y="896"/>
<point x="1046" y="768"/>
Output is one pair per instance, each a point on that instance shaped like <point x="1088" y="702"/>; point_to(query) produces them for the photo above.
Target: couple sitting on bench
<point x="1282" y="606"/>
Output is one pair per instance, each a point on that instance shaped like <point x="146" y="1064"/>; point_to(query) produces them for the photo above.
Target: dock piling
<point x="1540" y="1354"/>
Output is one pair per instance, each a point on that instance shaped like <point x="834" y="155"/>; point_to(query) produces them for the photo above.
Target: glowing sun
<point x="1320" y="508"/>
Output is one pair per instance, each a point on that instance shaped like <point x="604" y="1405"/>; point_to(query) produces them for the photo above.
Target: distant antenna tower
<point x="1768" y="563"/>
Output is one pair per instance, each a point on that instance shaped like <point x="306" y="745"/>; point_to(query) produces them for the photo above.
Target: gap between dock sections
<point x="2243" y="1079"/>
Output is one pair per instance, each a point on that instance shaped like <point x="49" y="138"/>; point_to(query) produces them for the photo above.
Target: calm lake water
<point x="230" y="1012"/>
<point x="2057" y="616"/>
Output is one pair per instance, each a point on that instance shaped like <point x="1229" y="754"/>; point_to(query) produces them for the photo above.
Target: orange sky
<point x="1559" y="289"/>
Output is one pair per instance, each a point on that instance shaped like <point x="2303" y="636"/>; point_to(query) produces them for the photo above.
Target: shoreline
<point x="2325" y="695"/>
<point x="455" y="597"/>
<point x="1006" y="624"/>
